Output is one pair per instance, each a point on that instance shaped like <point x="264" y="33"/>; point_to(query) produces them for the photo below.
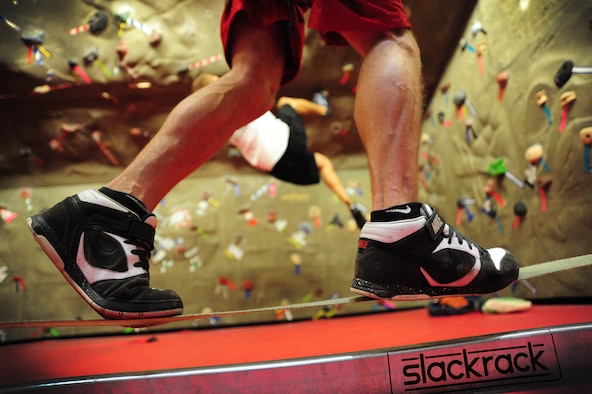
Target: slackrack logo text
<point x="494" y="363"/>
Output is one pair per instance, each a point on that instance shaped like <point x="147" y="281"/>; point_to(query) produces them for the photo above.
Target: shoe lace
<point x="143" y="251"/>
<point x="450" y="233"/>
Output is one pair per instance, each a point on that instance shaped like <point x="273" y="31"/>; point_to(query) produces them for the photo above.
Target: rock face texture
<point x="86" y="84"/>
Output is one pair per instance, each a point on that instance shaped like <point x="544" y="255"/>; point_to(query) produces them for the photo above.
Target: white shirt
<point x="263" y="141"/>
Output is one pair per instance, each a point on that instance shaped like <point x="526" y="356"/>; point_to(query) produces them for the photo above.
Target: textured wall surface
<point x="528" y="39"/>
<point x="112" y="101"/>
<point x="109" y="98"/>
<point x="210" y="229"/>
<point x="196" y="245"/>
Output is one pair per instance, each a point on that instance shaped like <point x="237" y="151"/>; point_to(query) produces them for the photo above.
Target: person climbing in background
<point x="277" y="145"/>
<point x="101" y="240"/>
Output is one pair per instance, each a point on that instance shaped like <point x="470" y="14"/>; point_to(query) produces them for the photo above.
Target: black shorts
<point x="298" y="164"/>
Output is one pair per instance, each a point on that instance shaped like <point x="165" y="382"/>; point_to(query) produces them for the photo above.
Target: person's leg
<point x="302" y="106"/>
<point x="331" y="179"/>
<point x="407" y="251"/>
<point x="202" y="123"/>
<point x="388" y="113"/>
<point x="101" y="241"/>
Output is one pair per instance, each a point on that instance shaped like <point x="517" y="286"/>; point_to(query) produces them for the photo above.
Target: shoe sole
<point x="405" y="297"/>
<point x="370" y="290"/>
<point x="106" y="313"/>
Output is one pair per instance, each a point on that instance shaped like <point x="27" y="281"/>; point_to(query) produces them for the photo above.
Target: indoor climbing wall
<point x="223" y="243"/>
<point x="506" y="138"/>
<point x="505" y="152"/>
<point x="89" y="84"/>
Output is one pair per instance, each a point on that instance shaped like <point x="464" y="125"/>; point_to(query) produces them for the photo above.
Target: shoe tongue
<point x="429" y="210"/>
<point x="128" y="201"/>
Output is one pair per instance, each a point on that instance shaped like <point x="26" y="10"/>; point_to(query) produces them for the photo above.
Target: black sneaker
<point x="357" y="211"/>
<point x="101" y="242"/>
<point x="408" y="252"/>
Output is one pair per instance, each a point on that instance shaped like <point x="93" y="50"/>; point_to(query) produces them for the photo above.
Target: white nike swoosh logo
<point x="94" y="274"/>
<point x="405" y="210"/>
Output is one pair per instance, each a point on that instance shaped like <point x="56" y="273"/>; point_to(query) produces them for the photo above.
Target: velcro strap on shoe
<point x="435" y="226"/>
<point x="126" y="225"/>
<point x="140" y="230"/>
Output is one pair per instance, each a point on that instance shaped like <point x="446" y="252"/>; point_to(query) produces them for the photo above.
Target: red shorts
<point x="329" y="17"/>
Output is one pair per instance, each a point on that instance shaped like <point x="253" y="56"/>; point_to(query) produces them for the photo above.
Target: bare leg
<point x="388" y="113"/>
<point x="331" y="179"/>
<point x="202" y="123"/>
<point x="303" y="106"/>
<point x="399" y="249"/>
